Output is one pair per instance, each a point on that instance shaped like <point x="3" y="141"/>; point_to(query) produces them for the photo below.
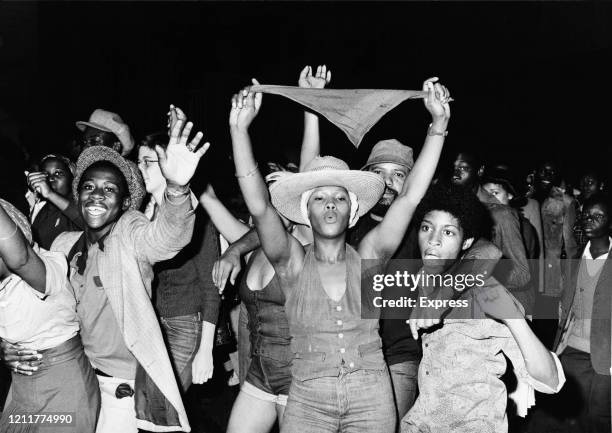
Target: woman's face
<point x="329" y="209"/>
<point x="58" y="175"/>
<point x="149" y="167"/>
<point x="441" y="239"/>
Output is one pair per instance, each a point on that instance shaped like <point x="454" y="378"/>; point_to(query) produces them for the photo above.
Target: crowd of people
<point x="112" y="292"/>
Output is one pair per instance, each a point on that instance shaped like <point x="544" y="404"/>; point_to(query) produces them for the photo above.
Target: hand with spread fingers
<point x="316" y="81"/>
<point x="245" y="106"/>
<point x="437" y="100"/>
<point x="180" y="160"/>
<point x="19" y="359"/>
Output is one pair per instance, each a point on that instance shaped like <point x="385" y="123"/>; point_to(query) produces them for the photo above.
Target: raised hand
<point x="245" y="106"/>
<point x="437" y="100"/>
<point x="316" y="81"/>
<point x="174" y="115"/>
<point x="39" y="183"/>
<point x="180" y="160"/>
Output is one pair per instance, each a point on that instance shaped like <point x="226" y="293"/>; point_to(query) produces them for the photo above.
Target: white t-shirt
<point x="37" y="320"/>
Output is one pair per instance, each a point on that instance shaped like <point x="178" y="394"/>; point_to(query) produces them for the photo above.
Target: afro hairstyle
<point x="460" y="202"/>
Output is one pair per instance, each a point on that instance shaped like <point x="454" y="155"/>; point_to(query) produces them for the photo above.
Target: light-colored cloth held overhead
<point x="354" y="111"/>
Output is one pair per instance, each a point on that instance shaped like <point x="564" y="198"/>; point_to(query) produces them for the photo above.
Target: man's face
<point x="102" y="198"/>
<point x="596" y="221"/>
<point x="96" y="137"/>
<point x="148" y="164"/>
<point x="394" y="176"/>
<point x="498" y="191"/>
<point x="58" y="176"/>
<point x="329" y="210"/>
<point x="589" y="185"/>
<point x="441" y="240"/>
<point x="464" y="172"/>
<point x="547" y="176"/>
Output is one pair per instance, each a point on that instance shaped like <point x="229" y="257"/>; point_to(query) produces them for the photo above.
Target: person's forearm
<point x="58" y="200"/>
<point x="13" y="248"/>
<point x="208" y="337"/>
<point x="247" y="243"/>
<point x="424" y="168"/>
<point x="311" y="145"/>
<point x="538" y="360"/>
<point x="227" y="224"/>
<point x="18" y="256"/>
<point x="251" y="182"/>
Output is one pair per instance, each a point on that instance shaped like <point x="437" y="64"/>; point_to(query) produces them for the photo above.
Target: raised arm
<point x="385" y="238"/>
<point x="227" y="224"/>
<point x="311" y="145"/>
<point x="38" y="182"/>
<point x="18" y="255"/>
<point x="171" y="230"/>
<point x="496" y="302"/>
<point x="275" y="241"/>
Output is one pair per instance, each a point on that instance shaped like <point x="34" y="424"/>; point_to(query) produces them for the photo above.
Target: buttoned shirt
<point x="459" y="378"/>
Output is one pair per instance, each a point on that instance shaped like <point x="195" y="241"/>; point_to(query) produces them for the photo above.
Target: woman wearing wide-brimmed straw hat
<point x="340" y="379"/>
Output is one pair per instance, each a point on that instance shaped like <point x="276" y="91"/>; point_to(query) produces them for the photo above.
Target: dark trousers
<point x="586" y="394"/>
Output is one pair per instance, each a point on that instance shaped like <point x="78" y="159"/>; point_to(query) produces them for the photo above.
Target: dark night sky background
<point x="529" y="80"/>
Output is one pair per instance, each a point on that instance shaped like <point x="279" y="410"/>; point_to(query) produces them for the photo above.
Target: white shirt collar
<point x="587" y="251"/>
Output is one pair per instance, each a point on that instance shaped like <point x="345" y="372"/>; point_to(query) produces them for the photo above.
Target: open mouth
<point x="430" y="255"/>
<point x="95" y="210"/>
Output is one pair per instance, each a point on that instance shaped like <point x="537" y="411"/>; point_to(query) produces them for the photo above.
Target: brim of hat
<point x="83" y="125"/>
<point x="132" y="176"/>
<point x="286" y="193"/>
<point x="127" y="141"/>
<point x="386" y="161"/>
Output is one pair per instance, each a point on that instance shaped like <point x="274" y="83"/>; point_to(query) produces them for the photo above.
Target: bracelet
<point x="177" y="191"/>
<point x="6" y="238"/>
<point x="431" y="132"/>
<point x="249" y="174"/>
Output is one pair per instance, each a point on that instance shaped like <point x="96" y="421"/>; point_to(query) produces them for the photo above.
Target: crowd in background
<point x="123" y="290"/>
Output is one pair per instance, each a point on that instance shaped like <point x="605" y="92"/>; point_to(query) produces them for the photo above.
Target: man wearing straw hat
<point x="338" y="354"/>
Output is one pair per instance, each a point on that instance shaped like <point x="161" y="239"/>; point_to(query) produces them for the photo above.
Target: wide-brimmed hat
<point x="390" y="151"/>
<point x="129" y="170"/>
<point x="108" y="121"/>
<point x="500" y="176"/>
<point x="286" y="193"/>
<point x="18" y="218"/>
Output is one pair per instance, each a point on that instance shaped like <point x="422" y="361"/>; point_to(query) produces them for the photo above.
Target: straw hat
<point x="18" y="218"/>
<point x="129" y="170"/>
<point x="286" y="193"/>
<point x="108" y="121"/>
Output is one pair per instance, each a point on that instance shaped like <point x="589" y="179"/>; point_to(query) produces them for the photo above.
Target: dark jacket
<point x="601" y="315"/>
